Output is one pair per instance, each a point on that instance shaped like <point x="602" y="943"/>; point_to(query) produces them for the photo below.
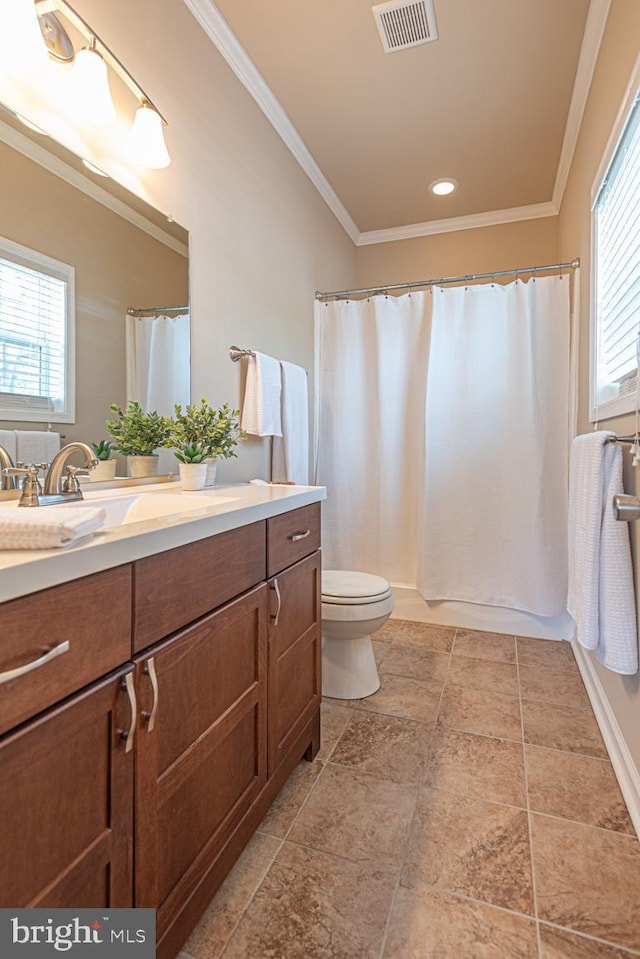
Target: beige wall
<point x="261" y="238"/>
<point x="117" y="266"/>
<point x="528" y="243"/>
<point x="615" y="63"/>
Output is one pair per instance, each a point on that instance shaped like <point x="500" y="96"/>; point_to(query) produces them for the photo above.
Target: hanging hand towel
<point x="261" y="407"/>
<point x="291" y="451"/>
<point x="601" y="597"/>
<point x="36" y="446"/>
<point x="47" y="527"/>
<point x="8" y="442"/>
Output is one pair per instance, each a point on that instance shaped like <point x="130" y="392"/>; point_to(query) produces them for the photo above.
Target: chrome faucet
<point x="6" y="463"/>
<point x="62" y="480"/>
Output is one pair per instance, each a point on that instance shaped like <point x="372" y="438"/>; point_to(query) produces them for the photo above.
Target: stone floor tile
<point x="493" y="677"/>
<point x="497" y="647"/>
<point x="287" y="803"/>
<point x="553" y="686"/>
<point x="384" y="746"/>
<point x="561" y="944"/>
<point x="562" y="727"/>
<point x="472" y="847"/>
<point x="420" y="664"/>
<point x="576" y="787"/>
<point x="587" y="879"/>
<point x="212" y="932"/>
<point x="404" y="697"/>
<point x="479" y="711"/>
<point x="355" y="814"/>
<point x="548" y="653"/>
<point x="333" y="722"/>
<point x="423" y="636"/>
<point x="426" y="924"/>
<point x="379" y="651"/>
<point x="315" y="906"/>
<point x="476" y="766"/>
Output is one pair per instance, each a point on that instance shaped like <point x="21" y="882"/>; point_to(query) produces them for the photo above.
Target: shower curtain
<point x="443" y="440"/>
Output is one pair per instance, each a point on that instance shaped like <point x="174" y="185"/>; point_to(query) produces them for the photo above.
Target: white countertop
<point x="225" y="506"/>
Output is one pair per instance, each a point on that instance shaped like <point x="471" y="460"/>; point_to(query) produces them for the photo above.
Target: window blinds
<point x="617" y="212"/>
<point x="33" y="308"/>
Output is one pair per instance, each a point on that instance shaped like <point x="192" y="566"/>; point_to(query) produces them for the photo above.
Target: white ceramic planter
<point x="193" y="475"/>
<point x="104" y="471"/>
<point x="212" y="467"/>
<point x="143" y="465"/>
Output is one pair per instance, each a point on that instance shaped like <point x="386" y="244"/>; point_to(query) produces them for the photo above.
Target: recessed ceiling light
<point x="443" y="187"/>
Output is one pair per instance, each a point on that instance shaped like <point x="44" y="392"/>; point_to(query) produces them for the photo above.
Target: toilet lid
<point x="340" y="585"/>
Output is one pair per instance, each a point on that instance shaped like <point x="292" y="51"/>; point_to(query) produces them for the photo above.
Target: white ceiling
<point x="495" y="102"/>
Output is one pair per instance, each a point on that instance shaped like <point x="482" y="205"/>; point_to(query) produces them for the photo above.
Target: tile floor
<point x="467" y="810"/>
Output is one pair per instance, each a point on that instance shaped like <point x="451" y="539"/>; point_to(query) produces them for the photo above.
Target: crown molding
<point x="220" y="33"/>
<point x="57" y="166"/>
<point x="472" y="222"/>
<point x="591" y="41"/>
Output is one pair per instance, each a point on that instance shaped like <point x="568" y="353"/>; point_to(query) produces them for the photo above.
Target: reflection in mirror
<point x="124" y="256"/>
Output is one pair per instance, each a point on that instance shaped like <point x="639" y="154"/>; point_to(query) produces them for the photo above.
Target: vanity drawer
<point x="56" y="641"/>
<point x="292" y="536"/>
<point x="174" y="588"/>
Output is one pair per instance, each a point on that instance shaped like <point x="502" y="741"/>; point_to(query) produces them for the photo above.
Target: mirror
<point x="125" y="255"/>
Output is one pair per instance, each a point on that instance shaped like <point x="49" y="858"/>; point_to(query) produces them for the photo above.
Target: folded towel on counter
<point x="47" y="527"/>
<point x="601" y="595"/>
<point x="8" y="442"/>
<point x="36" y="446"/>
<point x="261" y="406"/>
<point x="291" y="451"/>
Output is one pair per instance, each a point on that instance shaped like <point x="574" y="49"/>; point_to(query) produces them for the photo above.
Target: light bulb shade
<point x="90" y="84"/>
<point x="147" y="144"/>
<point x="23" y="43"/>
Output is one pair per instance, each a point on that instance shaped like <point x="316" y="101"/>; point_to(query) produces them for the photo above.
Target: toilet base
<point x="348" y="667"/>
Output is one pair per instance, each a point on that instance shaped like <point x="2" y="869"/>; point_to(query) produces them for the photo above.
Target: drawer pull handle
<point x="150" y="671"/>
<point x="129" y="734"/>
<point x="296" y="536"/>
<point x="58" y="650"/>
<point x="276" y="616"/>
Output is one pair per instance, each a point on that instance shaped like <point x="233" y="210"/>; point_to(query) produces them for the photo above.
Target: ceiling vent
<point x="405" y="23"/>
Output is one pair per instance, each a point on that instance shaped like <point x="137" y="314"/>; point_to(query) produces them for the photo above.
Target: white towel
<point x="47" y="527"/>
<point x="261" y="407"/>
<point x="8" y="441"/>
<point x="36" y="446"/>
<point x="601" y="597"/>
<point x="291" y="451"/>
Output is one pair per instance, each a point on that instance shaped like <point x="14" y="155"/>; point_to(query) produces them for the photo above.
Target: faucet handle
<point x="70" y="483"/>
<point x="31" y="487"/>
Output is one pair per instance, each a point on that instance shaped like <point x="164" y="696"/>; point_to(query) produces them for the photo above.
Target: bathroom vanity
<point x="178" y="685"/>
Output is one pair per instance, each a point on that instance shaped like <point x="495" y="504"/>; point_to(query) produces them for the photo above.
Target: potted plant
<point x="138" y="434"/>
<point x="216" y="430"/>
<point x="192" y="466"/>
<point x="106" y="468"/>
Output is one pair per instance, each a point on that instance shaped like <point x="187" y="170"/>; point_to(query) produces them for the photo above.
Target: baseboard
<point x="495" y="619"/>
<point x="624" y="767"/>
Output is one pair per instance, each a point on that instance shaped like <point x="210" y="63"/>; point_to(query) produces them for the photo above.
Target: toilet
<point x="354" y="605"/>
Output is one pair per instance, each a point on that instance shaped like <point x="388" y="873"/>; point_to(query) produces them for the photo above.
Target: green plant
<point x="190" y="453"/>
<point x="103" y="449"/>
<point x="216" y="430"/>
<point x="136" y="432"/>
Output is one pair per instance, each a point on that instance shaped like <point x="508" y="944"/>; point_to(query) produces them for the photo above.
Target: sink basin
<point x="137" y="507"/>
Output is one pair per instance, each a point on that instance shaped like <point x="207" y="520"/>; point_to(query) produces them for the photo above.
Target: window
<point x="37" y="336"/>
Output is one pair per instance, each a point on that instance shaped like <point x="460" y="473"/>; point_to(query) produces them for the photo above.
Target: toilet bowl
<point x="354" y="605"/>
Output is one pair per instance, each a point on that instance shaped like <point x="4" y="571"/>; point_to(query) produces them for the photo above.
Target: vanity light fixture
<point x="94" y="169"/>
<point x="24" y="46"/>
<point x="30" y="125"/>
<point x="91" y="71"/>
<point x="443" y="187"/>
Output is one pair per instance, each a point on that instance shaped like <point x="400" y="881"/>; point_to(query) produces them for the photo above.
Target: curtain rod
<point x="160" y="310"/>
<point x="572" y="265"/>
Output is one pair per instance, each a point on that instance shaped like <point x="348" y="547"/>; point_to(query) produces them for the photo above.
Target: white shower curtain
<point x="443" y="440"/>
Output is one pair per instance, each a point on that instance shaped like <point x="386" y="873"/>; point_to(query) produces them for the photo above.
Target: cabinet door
<point x="202" y="751"/>
<point x="294" y="654"/>
<point x="66" y="802"/>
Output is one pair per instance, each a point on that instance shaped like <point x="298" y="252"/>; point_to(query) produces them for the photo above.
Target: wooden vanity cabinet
<point x="66" y="802"/>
